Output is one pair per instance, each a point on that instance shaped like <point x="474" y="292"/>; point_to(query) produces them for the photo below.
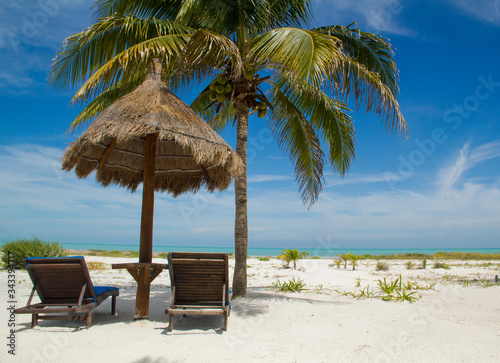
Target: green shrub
<point x="263" y="258"/>
<point x="438" y="264"/>
<point x="410" y="265"/>
<point x="382" y="266"/>
<point x="23" y="248"/>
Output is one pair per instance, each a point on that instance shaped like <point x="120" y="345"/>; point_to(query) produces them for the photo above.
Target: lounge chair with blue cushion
<point x="200" y="285"/>
<point x="65" y="290"/>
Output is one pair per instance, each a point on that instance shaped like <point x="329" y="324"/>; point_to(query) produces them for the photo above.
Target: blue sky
<point x="440" y="188"/>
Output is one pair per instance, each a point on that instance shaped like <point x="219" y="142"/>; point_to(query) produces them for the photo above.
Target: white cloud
<point x="39" y="199"/>
<point x="333" y="180"/>
<point x="266" y="178"/>
<point x="467" y="159"/>
<point x="485" y="10"/>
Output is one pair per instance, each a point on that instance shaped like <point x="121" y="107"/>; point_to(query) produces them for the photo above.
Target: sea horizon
<point x="275" y="251"/>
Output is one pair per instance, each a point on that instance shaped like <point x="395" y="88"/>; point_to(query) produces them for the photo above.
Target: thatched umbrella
<point x="151" y="136"/>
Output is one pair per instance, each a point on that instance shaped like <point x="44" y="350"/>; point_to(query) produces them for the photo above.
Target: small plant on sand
<point x="409" y="265"/>
<point x="389" y="287"/>
<point x="443" y="265"/>
<point x="486" y="283"/>
<point x="292" y="285"/>
<point x="337" y="262"/>
<point x="397" y="290"/>
<point x="404" y="295"/>
<point x="466" y="283"/>
<point x="381" y="266"/>
<point x="366" y="293"/>
<point x="354" y="260"/>
<point x="424" y="264"/>
<point x="345" y="258"/>
<point x="358" y="281"/>
<point x="320" y="290"/>
<point x="97" y="265"/>
<point x="263" y="258"/>
<point x="288" y="255"/>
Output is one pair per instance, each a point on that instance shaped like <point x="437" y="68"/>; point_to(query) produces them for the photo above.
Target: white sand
<point x="451" y="323"/>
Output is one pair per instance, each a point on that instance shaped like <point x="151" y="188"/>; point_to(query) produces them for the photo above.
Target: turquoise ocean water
<point x="275" y="251"/>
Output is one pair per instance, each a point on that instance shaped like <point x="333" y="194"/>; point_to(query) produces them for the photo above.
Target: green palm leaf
<point x="369" y="72"/>
<point x="296" y="137"/>
<point x="130" y="64"/>
<point x="328" y="116"/>
<point x="217" y="116"/>
<point x="371" y="50"/>
<point x="309" y="55"/>
<point x="103" y="101"/>
<point x="84" y="53"/>
<point x="207" y="50"/>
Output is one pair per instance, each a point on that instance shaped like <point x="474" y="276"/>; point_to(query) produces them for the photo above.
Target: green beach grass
<point x="401" y="256"/>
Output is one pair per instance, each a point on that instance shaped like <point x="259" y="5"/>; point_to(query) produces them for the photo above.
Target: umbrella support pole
<point x="144" y="274"/>
<point x="146" y="248"/>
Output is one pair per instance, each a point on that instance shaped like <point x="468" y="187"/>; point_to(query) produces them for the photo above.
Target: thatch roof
<point x="189" y="153"/>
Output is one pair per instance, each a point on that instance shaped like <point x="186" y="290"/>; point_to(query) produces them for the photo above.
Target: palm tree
<point x="345" y="257"/>
<point x="354" y="260"/>
<point x="263" y="60"/>
<point x="289" y="255"/>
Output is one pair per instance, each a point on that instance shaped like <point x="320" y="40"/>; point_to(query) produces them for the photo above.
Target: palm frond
<point x="307" y="54"/>
<point x="103" y="101"/>
<point x="208" y="50"/>
<point x="160" y="9"/>
<point x="371" y="50"/>
<point x="133" y="61"/>
<point x="296" y="137"/>
<point x="369" y="72"/>
<point x="84" y="53"/>
<point x="217" y="115"/>
<point x="349" y="76"/>
<point x="328" y="116"/>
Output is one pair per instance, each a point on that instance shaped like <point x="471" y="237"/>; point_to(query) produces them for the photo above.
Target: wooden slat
<point x="197" y="261"/>
<point x="199" y="282"/>
<point x="59" y="266"/>
<point x="197" y="311"/>
<point x="152" y="265"/>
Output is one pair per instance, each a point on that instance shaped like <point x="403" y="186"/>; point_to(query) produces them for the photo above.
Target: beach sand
<point x="449" y="323"/>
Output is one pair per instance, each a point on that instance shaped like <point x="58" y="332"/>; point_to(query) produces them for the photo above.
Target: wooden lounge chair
<point x="200" y="285"/>
<point x="65" y="290"/>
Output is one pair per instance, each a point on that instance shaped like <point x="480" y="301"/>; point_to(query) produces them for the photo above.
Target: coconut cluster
<point x="261" y="108"/>
<point x="219" y="88"/>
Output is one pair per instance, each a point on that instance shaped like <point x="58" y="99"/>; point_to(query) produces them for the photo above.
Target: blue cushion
<point x="102" y="289"/>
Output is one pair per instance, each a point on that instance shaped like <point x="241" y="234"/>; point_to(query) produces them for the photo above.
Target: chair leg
<point x="113" y="305"/>
<point x="225" y="321"/>
<point x="89" y="319"/>
<point x="34" y="320"/>
<point x="170" y="322"/>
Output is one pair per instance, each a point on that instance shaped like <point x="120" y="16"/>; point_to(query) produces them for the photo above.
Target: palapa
<point x="153" y="137"/>
<point x="189" y="153"/>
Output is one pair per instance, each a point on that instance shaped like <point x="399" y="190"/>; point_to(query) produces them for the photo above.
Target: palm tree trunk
<point x="241" y="222"/>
